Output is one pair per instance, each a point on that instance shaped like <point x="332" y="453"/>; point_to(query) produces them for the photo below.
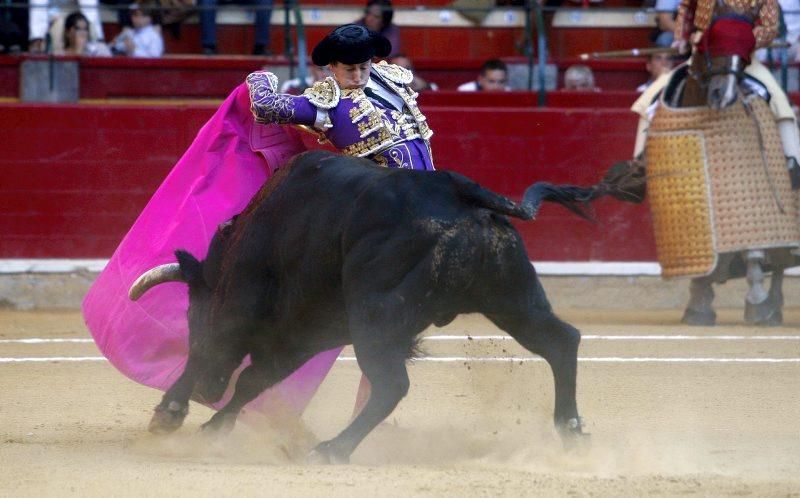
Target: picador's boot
<point x="699" y="311"/>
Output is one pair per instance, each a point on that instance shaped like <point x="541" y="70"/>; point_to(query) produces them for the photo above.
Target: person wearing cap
<point x="364" y="110"/>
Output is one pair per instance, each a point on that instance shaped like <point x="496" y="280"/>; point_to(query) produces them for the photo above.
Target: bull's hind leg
<point x="544" y="334"/>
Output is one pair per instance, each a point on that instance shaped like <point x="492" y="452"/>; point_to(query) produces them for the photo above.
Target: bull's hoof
<point x="572" y="436"/>
<point x="764" y="314"/>
<point x="326" y="454"/>
<point x="167" y="419"/>
<point x="220" y="423"/>
<point x="699" y="318"/>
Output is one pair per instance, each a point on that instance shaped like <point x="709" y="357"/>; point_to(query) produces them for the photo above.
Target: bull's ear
<point x="191" y="268"/>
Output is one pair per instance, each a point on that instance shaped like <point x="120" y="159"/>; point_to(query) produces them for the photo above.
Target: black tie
<point x="374" y="96"/>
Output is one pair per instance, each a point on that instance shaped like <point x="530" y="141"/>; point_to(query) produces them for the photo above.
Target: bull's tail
<point x="576" y="199"/>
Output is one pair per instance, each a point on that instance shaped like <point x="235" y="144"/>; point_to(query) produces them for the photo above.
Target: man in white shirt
<point x="493" y="77"/>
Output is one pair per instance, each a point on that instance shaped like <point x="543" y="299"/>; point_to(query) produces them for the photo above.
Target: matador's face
<point x="351" y="75"/>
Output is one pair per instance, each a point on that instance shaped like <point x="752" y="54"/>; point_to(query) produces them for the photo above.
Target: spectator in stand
<point x="208" y="24"/>
<point x="43" y="15"/>
<point x="144" y="38"/>
<point x="314" y="74"/>
<point x="579" y="78"/>
<point x="666" y="11"/>
<point x="76" y="39"/>
<point x="658" y="64"/>
<point x="493" y="77"/>
<point x="378" y="16"/>
<point x="417" y="84"/>
<point x="11" y="36"/>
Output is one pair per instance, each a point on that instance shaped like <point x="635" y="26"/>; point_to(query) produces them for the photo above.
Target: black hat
<point x="350" y="44"/>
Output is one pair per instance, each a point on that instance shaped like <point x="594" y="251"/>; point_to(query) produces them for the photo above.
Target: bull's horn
<point x="170" y="272"/>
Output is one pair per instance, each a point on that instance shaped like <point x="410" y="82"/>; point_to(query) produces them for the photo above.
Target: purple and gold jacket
<point x="355" y="123"/>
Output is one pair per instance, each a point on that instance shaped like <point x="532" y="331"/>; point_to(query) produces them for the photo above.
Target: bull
<point x="335" y="250"/>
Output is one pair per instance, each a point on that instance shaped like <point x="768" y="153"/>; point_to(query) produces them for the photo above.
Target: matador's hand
<point x="266" y="104"/>
<point x="681" y="46"/>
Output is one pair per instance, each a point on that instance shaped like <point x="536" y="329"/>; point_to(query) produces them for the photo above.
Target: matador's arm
<point x="268" y="106"/>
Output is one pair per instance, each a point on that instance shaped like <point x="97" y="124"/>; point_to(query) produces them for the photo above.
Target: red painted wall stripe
<point x="76" y="176"/>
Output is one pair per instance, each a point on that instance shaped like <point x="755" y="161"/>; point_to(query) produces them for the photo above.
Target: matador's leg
<point x="784" y="118"/>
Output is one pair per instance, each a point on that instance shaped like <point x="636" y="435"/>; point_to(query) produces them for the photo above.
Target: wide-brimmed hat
<point x="350" y="44"/>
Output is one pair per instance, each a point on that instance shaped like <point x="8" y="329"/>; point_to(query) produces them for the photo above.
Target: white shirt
<point x="470" y="86"/>
<point x="147" y="41"/>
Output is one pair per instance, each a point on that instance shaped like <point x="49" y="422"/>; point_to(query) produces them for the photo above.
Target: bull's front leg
<point x="266" y="370"/>
<point x="174" y="406"/>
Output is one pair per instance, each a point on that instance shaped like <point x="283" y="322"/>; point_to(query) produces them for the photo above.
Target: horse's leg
<point x="693" y="94"/>
<point x="758" y="308"/>
<point x="776" y="295"/>
<point x="699" y="311"/>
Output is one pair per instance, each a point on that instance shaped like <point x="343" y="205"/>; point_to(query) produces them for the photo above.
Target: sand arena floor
<point x="672" y="410"/>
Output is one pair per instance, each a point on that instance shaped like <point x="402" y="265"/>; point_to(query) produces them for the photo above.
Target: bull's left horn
<point x="170" y="272"/>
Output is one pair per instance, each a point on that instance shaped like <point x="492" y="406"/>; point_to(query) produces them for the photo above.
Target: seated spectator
<point x="11" y="37"/>
<point x="144" y="38"/>
<point x="43" y="16"/>
<point x="208" y="24"/>
<point x="378" y="16"/>
<point x="666" y="10"/>
<point x="314" y="74"/>
<point x="493" y="77"/>
<point x="417" y="84"/>
<point x="657" y="65"/>
<point x="579" y="78"/>
<point x="76" y="40"/>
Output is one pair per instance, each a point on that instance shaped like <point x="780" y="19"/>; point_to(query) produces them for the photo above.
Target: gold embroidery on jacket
<point x="324" y="94"/>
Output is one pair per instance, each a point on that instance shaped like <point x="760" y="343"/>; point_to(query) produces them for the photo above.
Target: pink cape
<point x="147" y="340"/>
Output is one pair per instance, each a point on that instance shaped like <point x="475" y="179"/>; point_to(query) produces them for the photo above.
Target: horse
<point x="715" y="77"/>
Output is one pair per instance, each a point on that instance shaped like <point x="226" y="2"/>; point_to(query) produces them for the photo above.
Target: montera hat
<point x="350" y="44"/>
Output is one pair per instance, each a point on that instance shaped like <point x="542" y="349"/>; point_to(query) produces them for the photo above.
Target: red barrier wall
<point x="75" y="177"/>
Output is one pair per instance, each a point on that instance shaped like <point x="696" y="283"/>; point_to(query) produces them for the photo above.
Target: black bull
<point x="344" y="252"/>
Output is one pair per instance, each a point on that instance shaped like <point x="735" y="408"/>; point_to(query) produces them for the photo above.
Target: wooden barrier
<point x="76" y="176"/>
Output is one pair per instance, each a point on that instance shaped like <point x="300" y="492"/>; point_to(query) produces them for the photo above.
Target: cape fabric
<point x="147" y="340"/>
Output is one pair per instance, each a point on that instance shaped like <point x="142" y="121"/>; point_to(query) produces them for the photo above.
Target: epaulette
<point x="324" y="94"/>
<point x="393" y="73"/>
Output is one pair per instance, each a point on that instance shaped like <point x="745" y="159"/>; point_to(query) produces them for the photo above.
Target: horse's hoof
<point x="167" y="419"/>
<point x="699" y="318"/>
<point x="764" y="314"/>
<point x="325" y="454"/>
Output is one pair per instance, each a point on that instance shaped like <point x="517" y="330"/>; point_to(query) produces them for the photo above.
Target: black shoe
<point x="209" y="50"/>
<point x="261" y="50"/>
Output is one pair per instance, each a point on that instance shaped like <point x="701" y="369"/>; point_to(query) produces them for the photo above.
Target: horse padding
<point x="712" y="191"/>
